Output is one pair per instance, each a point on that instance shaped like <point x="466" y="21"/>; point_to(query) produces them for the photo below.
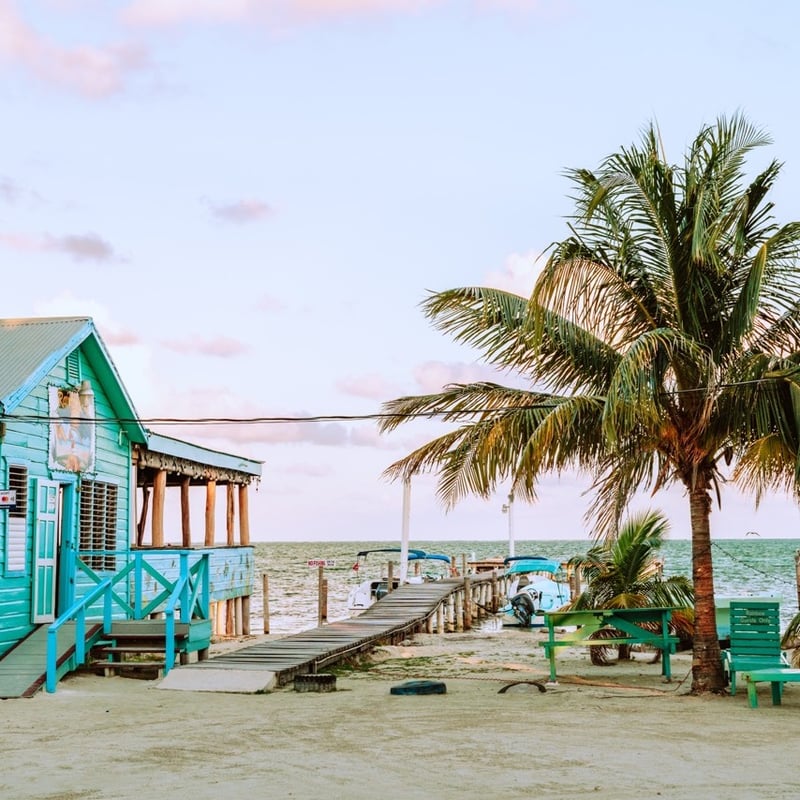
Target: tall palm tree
<point x="660" y="344"/>
<point x="622" y="571"/>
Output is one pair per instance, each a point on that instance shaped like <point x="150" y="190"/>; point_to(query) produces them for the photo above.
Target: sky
<point x="252" y="198"/>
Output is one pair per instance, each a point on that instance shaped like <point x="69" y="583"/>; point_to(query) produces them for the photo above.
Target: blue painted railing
<point x="188" y="595"/>
<point x="76" y="611"/>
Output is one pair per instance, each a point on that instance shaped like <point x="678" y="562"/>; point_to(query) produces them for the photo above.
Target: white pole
<point x="511" y="525"/>
<point x="404" y="532"/>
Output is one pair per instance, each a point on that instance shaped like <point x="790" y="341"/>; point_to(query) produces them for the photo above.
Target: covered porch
<point x="173" y="477"/>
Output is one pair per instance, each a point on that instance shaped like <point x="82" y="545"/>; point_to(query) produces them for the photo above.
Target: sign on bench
<point x="648" y="626"/>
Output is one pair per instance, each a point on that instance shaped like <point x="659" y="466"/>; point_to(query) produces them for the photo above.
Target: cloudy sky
<point x="252" y="198"/>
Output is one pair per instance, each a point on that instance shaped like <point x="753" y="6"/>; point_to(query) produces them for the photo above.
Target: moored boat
<point x="426" y="567"/>
<point x="536" y="585"/>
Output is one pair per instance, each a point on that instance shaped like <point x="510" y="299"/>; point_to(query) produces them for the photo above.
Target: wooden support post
<point x="211" y="509"/>
<point x="460" y="610"/>
<point x="230" y="620"/>
<point x="495" y="602"/>
<point x="246" y="615"/>
<point x="230" y="513"/>
<point x="451" y="614"/>
<point x="467" y="603"/>
<point x="142" y="526"/>
<point x="463" y="563"/>
<point x="186" y="528"/>
<point x="265" y="600"/>
<point x="429" y="623"/>
<point x="159" y="492"/>
<point x="440" y="618"/>
<point x="244" y="516"/>
<point x="389" y="577"/>
<point x="238" y="617"/>
<point x="322" y="597"/>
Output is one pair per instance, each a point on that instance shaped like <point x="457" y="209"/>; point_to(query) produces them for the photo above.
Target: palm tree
<point x="622" y="571"/>
<point x="660" y="345"/>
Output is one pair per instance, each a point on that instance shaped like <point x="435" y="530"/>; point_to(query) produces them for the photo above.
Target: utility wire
<point x="430" y="414"/>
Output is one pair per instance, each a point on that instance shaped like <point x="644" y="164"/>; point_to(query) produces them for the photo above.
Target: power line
<point x="312" y="418"/>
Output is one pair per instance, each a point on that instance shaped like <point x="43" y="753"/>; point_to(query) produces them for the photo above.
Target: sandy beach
<point x="606" y="732"/>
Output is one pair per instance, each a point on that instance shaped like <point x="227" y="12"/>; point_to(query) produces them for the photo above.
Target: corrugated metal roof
<point x="27" y="344"/>
<point x="30" y="348"/>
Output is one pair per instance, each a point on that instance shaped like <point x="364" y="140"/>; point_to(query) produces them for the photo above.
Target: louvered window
<point x="16" y="539"/>
<point x="98" y="524"/>
<point x="73" y="368"/>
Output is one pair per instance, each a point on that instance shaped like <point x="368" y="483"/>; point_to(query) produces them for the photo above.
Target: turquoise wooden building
<point x="76" y="550"/>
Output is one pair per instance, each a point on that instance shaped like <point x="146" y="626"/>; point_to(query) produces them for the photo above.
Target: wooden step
<point x="131" y="649"/>
<point x="146" y="670"/>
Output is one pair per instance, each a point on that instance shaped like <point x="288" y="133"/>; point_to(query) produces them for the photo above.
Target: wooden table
<point x="649" y="626"/>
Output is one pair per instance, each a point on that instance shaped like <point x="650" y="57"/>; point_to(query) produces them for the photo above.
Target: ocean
<point x="753" y="566"/>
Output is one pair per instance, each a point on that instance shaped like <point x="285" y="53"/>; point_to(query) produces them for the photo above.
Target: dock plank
<point x="401" y="612"/>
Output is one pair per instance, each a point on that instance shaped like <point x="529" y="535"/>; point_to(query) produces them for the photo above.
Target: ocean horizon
<point x="753" y="566"/>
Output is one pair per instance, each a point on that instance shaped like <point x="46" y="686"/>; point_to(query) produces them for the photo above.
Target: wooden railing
<point x="188" y="596"/>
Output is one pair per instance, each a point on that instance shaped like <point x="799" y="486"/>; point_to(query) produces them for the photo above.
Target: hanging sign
<point x="320" y="562"/>
<point x="8" y="498"/>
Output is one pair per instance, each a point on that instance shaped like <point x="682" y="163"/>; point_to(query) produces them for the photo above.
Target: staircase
<point x="138" y="648"/>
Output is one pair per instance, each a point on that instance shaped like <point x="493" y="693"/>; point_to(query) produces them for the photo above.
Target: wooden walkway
<point x="407" y="610"/>
<point x="23" y="668"/>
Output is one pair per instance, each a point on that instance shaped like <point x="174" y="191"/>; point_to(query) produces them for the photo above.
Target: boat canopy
<point x="519" y="564"/>
<point x="411" y="553"/>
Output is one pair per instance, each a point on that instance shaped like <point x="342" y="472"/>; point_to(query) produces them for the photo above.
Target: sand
<point x="603" y="732"/>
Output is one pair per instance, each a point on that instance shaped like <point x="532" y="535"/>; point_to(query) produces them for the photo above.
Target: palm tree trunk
<point x="707" y="673"/>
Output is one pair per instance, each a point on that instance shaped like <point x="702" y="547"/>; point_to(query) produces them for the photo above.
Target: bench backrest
<point x="755" y="629"/>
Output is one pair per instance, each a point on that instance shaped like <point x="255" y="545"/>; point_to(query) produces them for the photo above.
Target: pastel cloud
<point x="220" y="347"/>
<point x="80" y="247"/>
<point x="93" y="71"/>
<point x="272" y="13"/>
<point x="372" y="386"/>
<point x="242" y="211"/>
<point x="517" y="274"/>
<point x="433" y="376"/>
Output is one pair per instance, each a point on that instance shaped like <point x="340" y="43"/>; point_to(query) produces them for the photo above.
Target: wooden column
<point x="467" y="603"/>
<point x="186" y="528"/>
<point x="244" y="516"/>
<point x="211" y="507"/>
<point x="246" y="615"/>
<point x="265" y="600"/>
<point x="230" y="512"/>
<point x="159" y="493"/>
<point x="142" y="525"/>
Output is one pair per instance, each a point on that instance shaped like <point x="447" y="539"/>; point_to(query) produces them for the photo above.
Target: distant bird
<point x="752" y="533"/>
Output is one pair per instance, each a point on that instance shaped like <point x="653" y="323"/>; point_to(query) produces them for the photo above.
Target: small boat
<point x="368" y="591"/>
<point x="537" y="584"/>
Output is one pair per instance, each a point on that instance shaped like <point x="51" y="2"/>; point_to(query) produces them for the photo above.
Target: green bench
<point x="642" y="626"/>
<point x="776" y="677"/>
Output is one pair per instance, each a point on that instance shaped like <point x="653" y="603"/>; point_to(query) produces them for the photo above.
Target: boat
<point x="536" y="585"/>
<point x="427" y="567"/>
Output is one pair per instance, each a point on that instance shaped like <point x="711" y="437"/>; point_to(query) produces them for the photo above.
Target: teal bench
<point x="647" y="626"/>
<point x="776" y="677"/>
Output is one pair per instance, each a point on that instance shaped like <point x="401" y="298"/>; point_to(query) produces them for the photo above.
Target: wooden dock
<point x="436" y="607"/>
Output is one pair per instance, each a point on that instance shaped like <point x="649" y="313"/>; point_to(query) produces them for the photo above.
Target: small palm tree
<point x="623" y="572"/>
<point x="791" y="640"/>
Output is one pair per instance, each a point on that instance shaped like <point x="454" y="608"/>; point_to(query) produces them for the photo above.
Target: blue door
<point x="45" y="550"/>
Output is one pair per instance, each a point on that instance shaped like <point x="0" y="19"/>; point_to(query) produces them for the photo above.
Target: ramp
<point x="23" y="668"/>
